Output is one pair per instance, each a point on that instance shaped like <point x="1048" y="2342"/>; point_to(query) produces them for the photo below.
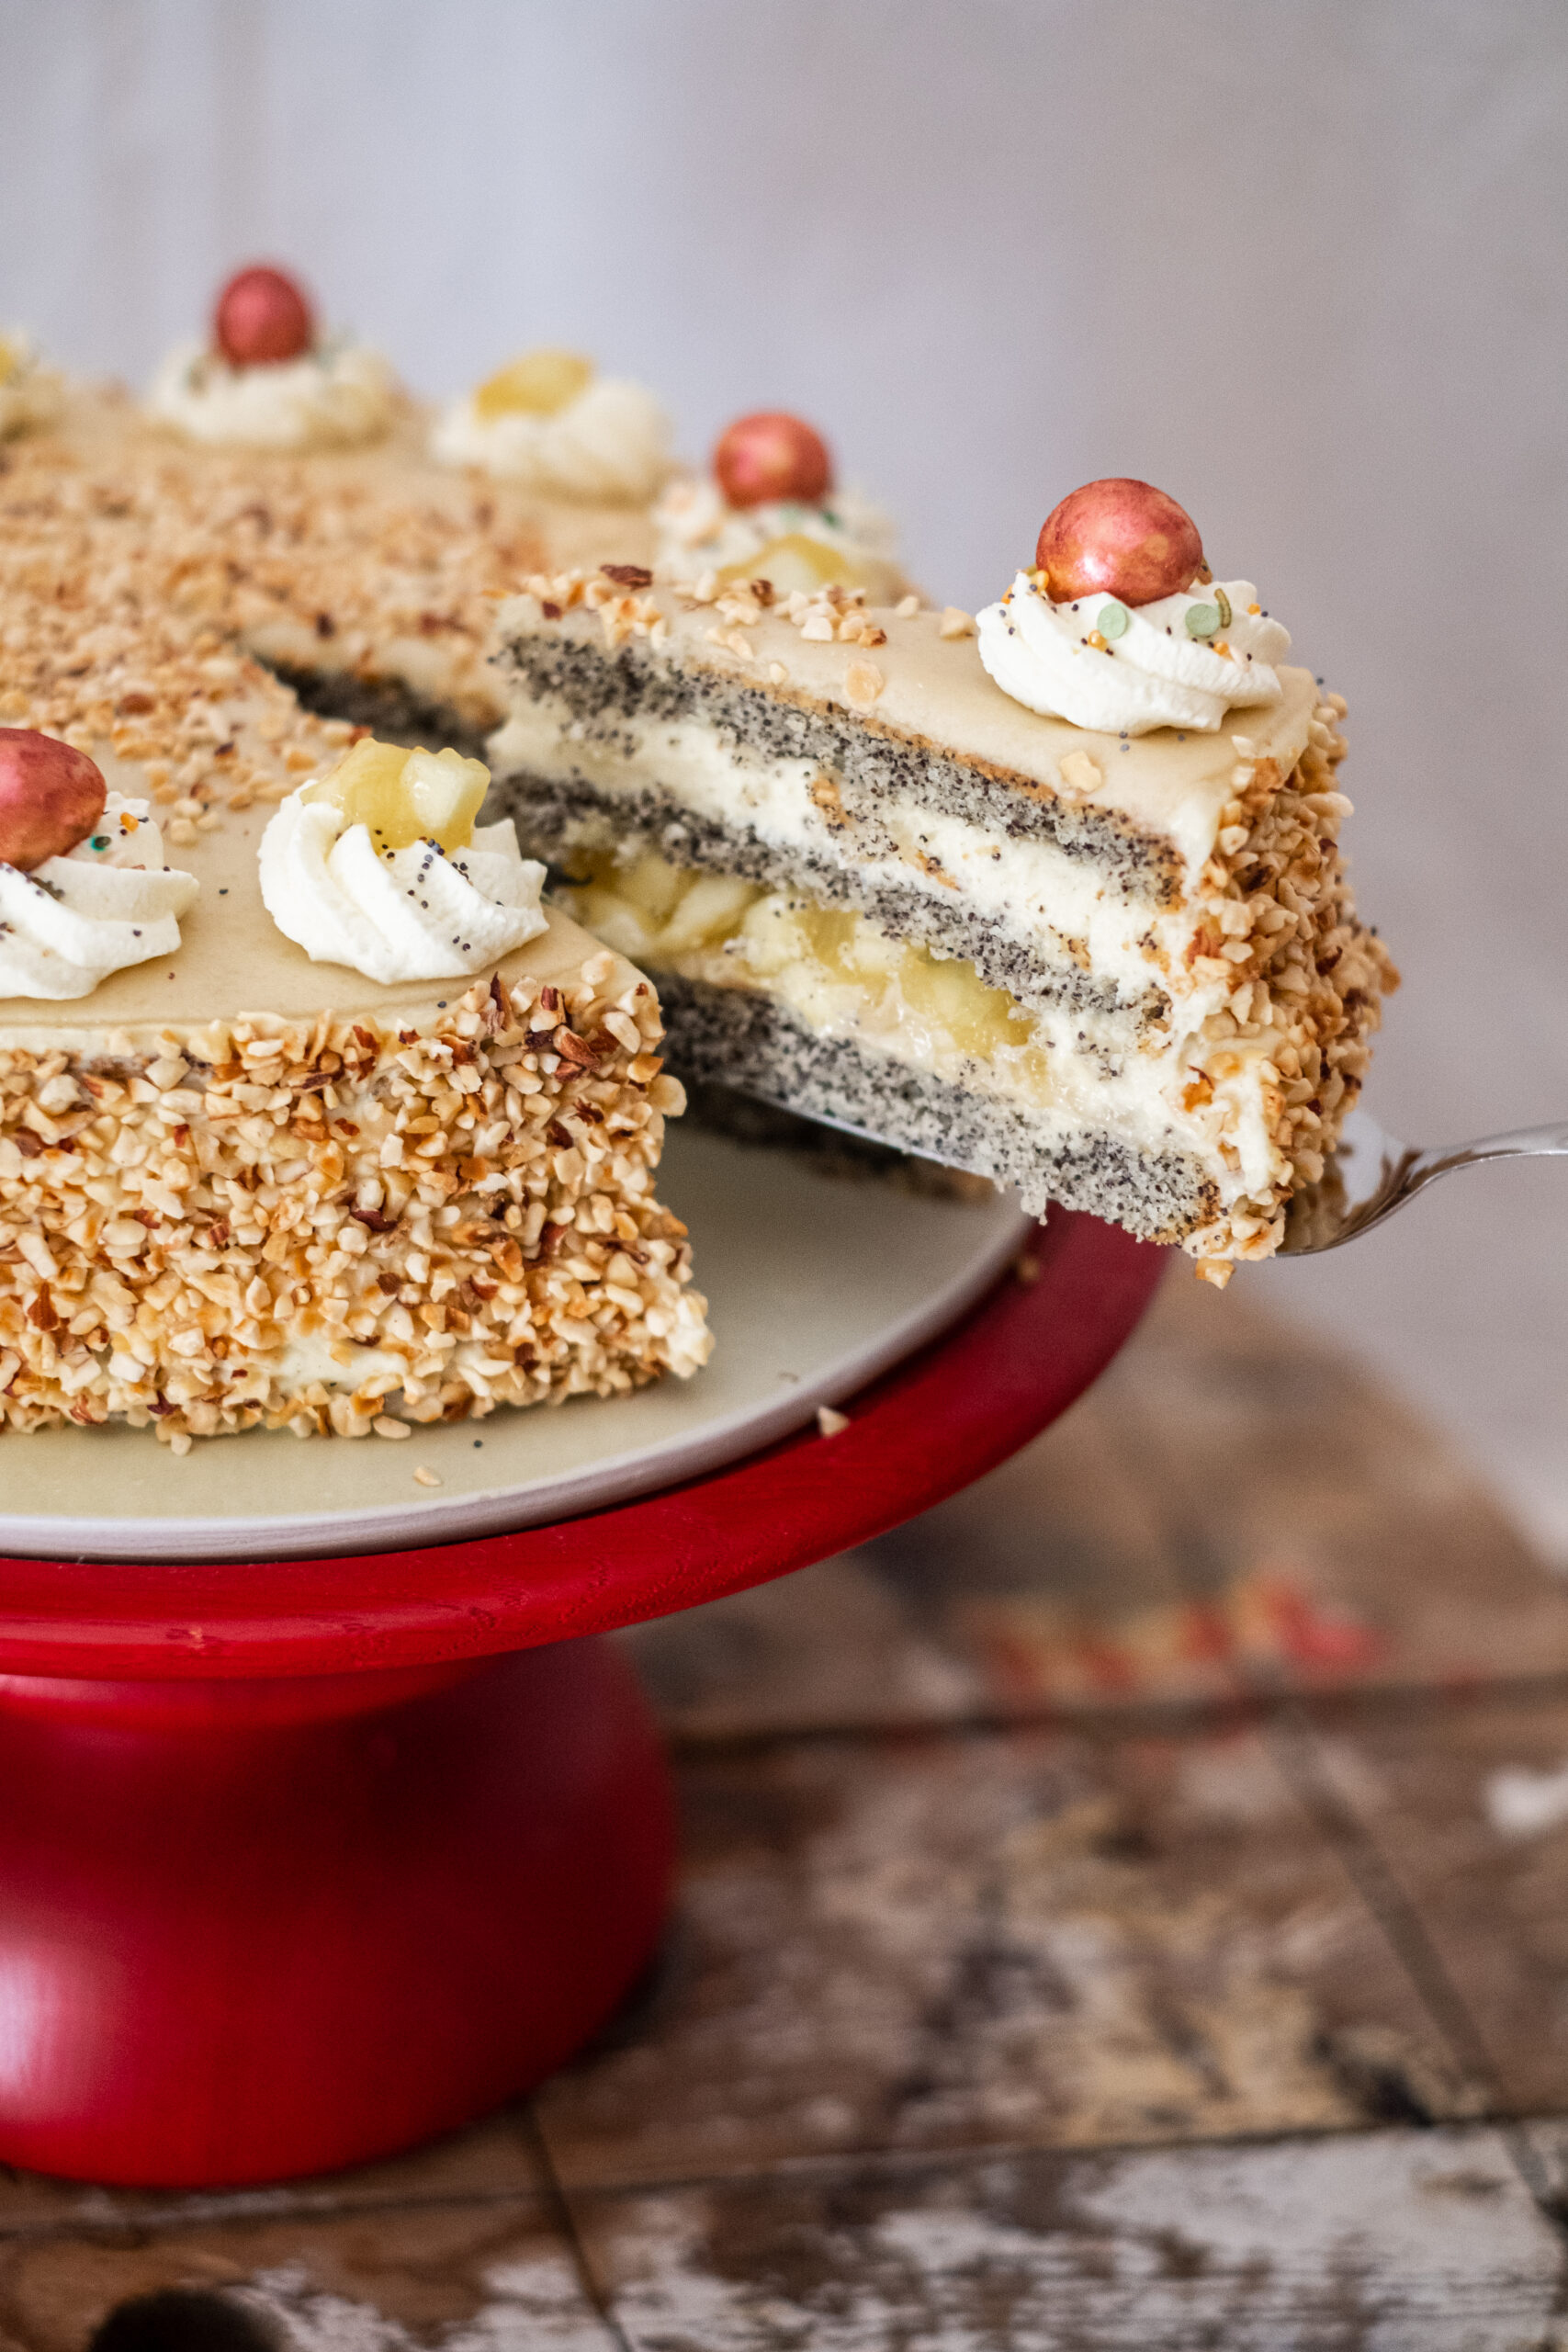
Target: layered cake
<point x="1056" y="897"/>
<point x="388" y="1159"/>
<point x="238" y="1185"/>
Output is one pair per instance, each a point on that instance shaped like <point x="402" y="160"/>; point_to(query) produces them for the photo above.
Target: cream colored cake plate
<point x="816" y="1284"/>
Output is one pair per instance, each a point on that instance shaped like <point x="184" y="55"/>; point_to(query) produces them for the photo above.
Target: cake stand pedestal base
<point x="309" y="1872"/>
<point x="251" y="1929"/>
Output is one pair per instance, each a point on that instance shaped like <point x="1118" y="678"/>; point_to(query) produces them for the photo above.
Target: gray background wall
<point x="1300" y="261"/>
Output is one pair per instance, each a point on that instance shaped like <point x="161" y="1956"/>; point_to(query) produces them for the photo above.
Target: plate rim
<point x="633" y="1473"/>
<point x="936" y="1422"/>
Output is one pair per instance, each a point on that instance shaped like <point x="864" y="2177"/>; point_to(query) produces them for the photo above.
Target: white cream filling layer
<point x="1029" y="889"/>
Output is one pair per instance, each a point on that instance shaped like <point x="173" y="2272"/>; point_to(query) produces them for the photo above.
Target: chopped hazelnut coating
<point x="466" y="1218"/>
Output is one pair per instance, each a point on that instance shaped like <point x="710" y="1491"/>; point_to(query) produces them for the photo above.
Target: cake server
<point x="1370" y="1175"/>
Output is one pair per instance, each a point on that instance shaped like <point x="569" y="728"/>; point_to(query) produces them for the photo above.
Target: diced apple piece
<point x="977" y="1018"/>
<point x="446" y="793"/>
<point x="773" y="935"/>
<point x="540" y="384"/>
<point x="613" y="920"/>
<point x="368" y="774"/>
<point x="651" y="883"/>
<point x="871" y="952"/>
<point x="402" y="796"/>
<point x="830" y="932"/>
<point x="710" y="911"/>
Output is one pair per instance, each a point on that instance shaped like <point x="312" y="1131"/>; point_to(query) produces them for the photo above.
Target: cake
<point x="239" y="1185"/>
<point x="1113" y="961"/>
<point x="769" y="506"/>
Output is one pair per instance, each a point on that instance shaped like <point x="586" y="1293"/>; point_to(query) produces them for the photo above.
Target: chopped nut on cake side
<point x="196" y="1238"/>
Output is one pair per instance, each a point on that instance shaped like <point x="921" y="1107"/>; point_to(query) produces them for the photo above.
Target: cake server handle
<point x="1370" y="1175"/>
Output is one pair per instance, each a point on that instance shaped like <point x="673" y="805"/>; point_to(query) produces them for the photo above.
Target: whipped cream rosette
<point x="770" y="508"/>
<point x="108" y="903"/>
<point x="30" y="395"/>
<point x="1182" y="660"/>
<point x="551" y="423"/>
<point x="331" y="397"/>
<point x="797" y="544"/>
<point x="1122" y="627"/>
<point x="379" y="866"/>
<point x="268" y="379"/>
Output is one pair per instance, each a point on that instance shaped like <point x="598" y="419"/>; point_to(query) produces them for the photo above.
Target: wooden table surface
<point x="1126" y="1907"/>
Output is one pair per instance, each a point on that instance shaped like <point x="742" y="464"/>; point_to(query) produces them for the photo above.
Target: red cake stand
<point x="304" y="1861"/>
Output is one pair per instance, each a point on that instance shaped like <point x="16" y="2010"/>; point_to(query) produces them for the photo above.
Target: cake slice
<point x="1122" y="971"/>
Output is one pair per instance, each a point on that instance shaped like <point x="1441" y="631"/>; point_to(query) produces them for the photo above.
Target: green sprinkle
<point x="99" y="840"/>
<point x="1224" y="603"/>
<point x="1115" y="620"/>
<point x="1202" y="620"/>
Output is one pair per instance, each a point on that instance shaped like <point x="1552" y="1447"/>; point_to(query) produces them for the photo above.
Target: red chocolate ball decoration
<point x="1118" y="538"/>
<point x="772" y="456"/>
<point x="51" y="798"/>
<point x="262" y="318"/>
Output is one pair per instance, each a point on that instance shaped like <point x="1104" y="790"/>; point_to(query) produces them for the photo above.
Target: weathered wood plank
<point x="954" y="1941"/>
<point x="1467" y="1806"/>
<point x="1409" y="2242"/>
<point x="1233" y="1508"/>
<point x="470" y="2279"/>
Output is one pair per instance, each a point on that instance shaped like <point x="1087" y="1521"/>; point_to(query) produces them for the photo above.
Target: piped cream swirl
<point x="109" y="902"/>
<point x="402" y="914"/>
<point x="328" y="398"/>
<point x="698" y="531"/>
<point x="611" y="443"/>
<point x="1182" y="660"/>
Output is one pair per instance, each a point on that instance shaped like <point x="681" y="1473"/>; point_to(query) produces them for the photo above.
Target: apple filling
<point x="833" y="967"/>
<point x="540" y="384"/>
<point x="404" y="796"/>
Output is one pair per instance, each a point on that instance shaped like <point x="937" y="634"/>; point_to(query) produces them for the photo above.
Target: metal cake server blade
<point x="1370" y="1176"/>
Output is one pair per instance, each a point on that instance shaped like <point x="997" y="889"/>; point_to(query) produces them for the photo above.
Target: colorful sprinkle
<point x="1115" y="620"/>
<point x="1202" y="620"/>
